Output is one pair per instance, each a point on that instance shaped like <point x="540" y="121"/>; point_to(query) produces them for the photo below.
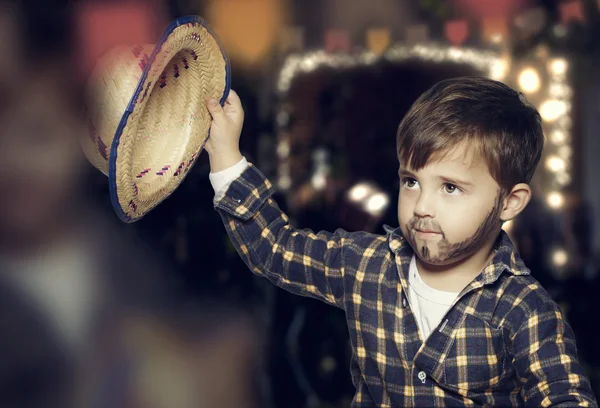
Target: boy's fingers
<point x="215" y="109"/>
<point x="233" y="99"/>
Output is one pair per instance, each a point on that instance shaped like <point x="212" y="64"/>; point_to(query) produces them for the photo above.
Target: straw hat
<point x="147" y="115"/>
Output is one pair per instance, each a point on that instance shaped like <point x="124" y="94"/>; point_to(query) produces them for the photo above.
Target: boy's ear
<point x="515" y="201"/>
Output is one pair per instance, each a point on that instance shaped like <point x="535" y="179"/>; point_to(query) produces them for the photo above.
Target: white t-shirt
<point x="427" y="304"/>
<point x="221" y="180"/>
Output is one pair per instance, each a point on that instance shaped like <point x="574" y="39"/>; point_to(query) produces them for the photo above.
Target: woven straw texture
<point x="146" y="131"/>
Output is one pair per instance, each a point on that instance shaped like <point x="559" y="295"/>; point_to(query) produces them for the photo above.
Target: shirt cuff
<point x="246" y="195"/>
<point x="221" y="180"/>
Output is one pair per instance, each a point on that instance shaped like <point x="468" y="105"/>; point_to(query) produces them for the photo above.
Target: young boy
<point x="441" y="311"/>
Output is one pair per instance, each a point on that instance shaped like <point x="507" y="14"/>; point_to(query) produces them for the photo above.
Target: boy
<point x="441" y="311"/>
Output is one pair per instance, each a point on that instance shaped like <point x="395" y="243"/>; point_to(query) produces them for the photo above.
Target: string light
<point x="555" y="164"/>
<point x="558" y="137"/>
<point x="486" y="61"/>
<point x="563" y="179"/>
<point x="369" y="197"/>
<point x="558" y="66"/>
<point x="560" y="257"/>
<point x="284" y="182"/>
<point x="552" y="109"/>
<point x="560" y="91"/>
<point x="377" y="203"/>
<point x="322" y="169"/>
<point x="499" y="69"/>
<point x="555" y="200"/>
<point x="319" y="181"/>
<point x="359" y="192"/>
<point x="283" y="149"/>
<point x="555" y="112"/>
<point x="565" y="151"/>
<point x="529" y="80"/>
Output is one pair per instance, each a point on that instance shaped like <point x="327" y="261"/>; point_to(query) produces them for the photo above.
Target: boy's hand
<point x="223" y="145"/>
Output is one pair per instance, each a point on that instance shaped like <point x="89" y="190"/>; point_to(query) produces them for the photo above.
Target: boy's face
<point x="450" y="208"/>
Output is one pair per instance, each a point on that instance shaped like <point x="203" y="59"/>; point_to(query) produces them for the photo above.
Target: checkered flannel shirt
<point x="503" y="343"/>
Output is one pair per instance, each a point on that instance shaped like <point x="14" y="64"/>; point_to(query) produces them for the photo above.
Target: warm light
<point x="559" y="30"/>
<point x="359" y="192"/>
<point x="560" y="257"/>
<point x="485" y="61"/>
<point x="284" y="182"/>
<point x="529" y="80"/>
<point x="283" y="149"/>
<point x="555" y="164"/>
<point x="560" y="91"/>
<point x="555" y="200"/>
<point x="563" y="179"/>
<point x="558" y="66"/>
<point x="319" y="181"/>
<point x="377" y="203"/>
<point x="558" y="137"/>
<point x="565" y="151"/>
<point x="496" y="38"/>
<point x="499" y="69"/>
<point x="552" y="110"/>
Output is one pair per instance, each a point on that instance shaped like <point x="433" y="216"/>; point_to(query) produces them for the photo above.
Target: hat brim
<point x="114" y="150"/>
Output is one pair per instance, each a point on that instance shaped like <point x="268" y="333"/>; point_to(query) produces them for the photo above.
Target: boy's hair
<point x="485" y="114"/>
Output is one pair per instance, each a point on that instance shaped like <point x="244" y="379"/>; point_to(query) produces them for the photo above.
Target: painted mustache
<point x="425" y="226"/>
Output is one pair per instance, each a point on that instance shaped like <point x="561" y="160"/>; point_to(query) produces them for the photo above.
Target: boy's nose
<point x="424" y="206"/>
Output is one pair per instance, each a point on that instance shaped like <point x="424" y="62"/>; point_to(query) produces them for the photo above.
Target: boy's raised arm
<point x="300" y="261"/>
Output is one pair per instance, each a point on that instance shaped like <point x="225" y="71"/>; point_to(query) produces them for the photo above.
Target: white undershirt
<point x="221" y="180"/>
<point x="427" y="304"/>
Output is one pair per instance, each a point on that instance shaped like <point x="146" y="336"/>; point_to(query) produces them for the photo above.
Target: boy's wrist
<point x="224" y="160"/>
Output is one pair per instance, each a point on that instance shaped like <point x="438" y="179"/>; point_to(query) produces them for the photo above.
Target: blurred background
<point x="162" y="313"/>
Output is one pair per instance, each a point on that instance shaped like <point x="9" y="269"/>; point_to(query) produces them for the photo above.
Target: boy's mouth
<point x="426" y="234"/>
<point x="426" y="231"/>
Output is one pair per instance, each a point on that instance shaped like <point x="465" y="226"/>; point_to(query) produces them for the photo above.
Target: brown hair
<point x="485" y="114"/>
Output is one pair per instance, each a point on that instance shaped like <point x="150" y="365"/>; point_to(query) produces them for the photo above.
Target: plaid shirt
<point x="503" y="343"/>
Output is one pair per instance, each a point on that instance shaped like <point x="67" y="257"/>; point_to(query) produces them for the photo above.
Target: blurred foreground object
<point x="148" y="120"/>
<point x="249" y="28"/>
<point x="193" y="361"/>
<point x="130" y="22"/>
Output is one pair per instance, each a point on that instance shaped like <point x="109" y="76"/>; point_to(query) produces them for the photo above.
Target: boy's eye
<point x="450" y="188"/>
<point x="409" y="182"/>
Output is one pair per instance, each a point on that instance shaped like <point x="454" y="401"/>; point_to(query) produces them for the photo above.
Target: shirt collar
<point x="506" y="257"/>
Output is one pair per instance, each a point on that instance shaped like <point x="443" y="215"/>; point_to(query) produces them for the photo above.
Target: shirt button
<point x="422" y="376"/>
<point x="403" y="302"/>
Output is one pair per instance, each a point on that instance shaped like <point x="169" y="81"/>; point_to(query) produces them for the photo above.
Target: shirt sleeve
<point x="545" y="360"/>
<point x="221" y="180"/>
<point x="300" y="261"/>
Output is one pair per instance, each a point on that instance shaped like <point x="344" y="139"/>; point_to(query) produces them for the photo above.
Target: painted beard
<point x="447" y="250"/>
